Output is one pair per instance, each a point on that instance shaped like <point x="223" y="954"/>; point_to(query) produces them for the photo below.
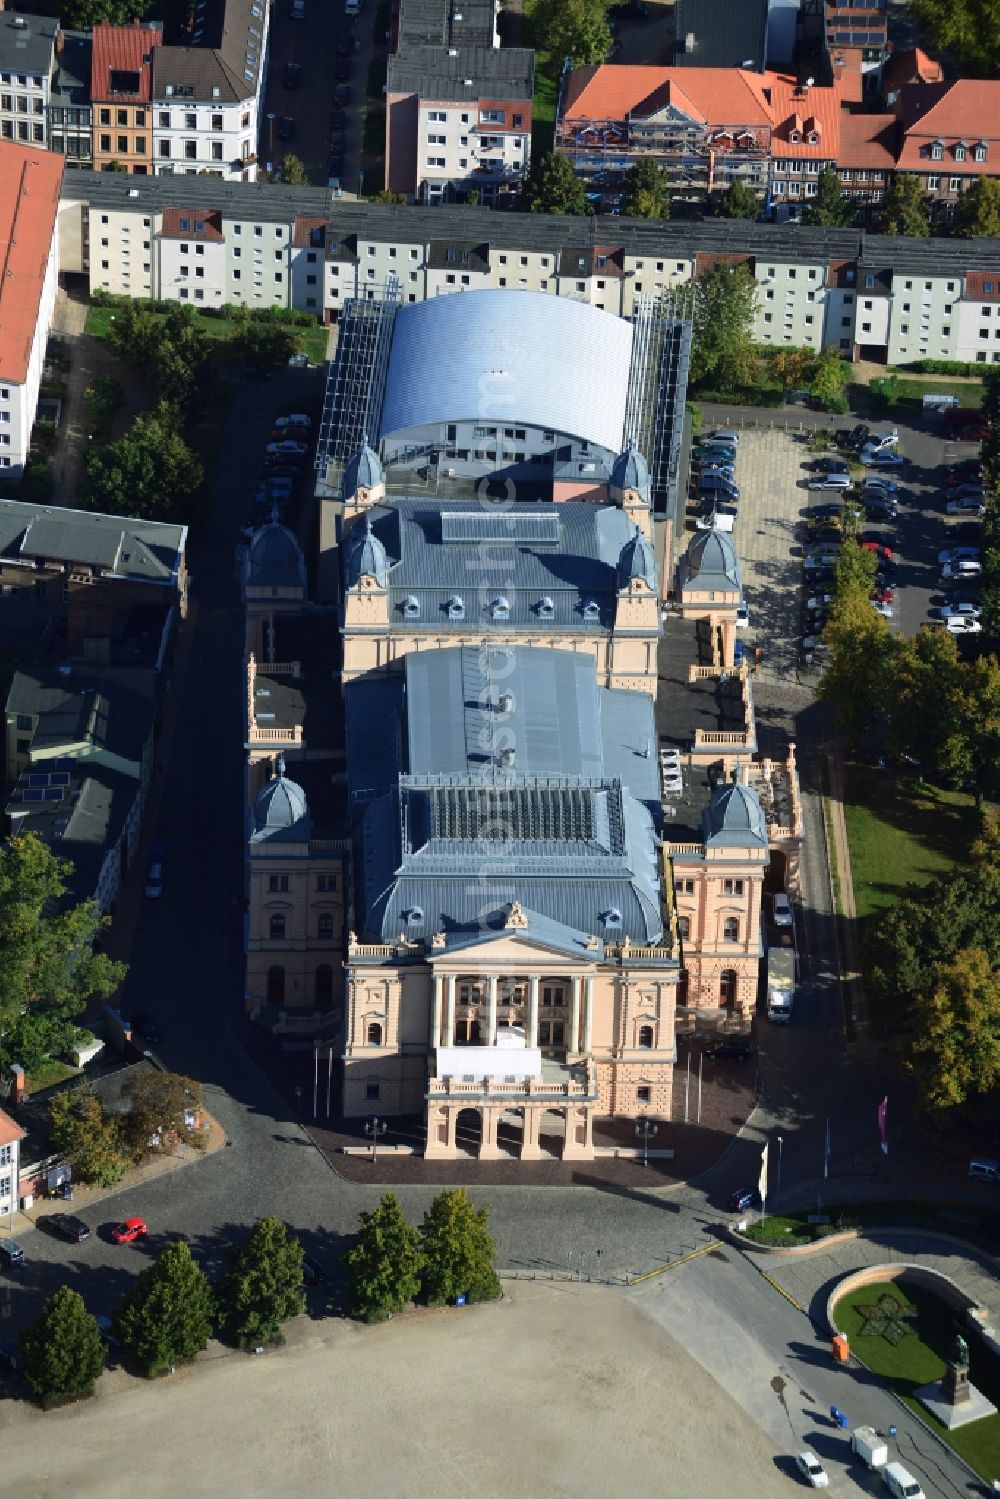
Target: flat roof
<point x="29" y="202"/>
<point x="466" y="74"/>
<point x="27" y="42"/>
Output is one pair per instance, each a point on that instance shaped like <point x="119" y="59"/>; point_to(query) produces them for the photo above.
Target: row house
<point x="804" y="142"/>
<point x="121" y="83"/>
<point x="948" y="138"/>
<point x="27" y="52"/>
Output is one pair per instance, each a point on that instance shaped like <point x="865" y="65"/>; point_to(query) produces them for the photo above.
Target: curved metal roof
<point x="509" y="356"/>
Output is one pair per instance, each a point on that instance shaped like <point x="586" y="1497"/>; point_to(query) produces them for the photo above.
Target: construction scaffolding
<point x="654" y="411"/>
<point x="355" y="384"/>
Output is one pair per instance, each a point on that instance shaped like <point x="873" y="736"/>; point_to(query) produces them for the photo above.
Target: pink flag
<point x="882" y="1111"/>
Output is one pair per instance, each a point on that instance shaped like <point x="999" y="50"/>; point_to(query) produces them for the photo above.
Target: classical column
<point x="574" y="1015"/>
<point x="450" y="1021"/>
<point x="588" y="1011"/>
<point x="435" y="1036"/>
<point x="491" y="1024"/>
<point x="532" y="1039"/>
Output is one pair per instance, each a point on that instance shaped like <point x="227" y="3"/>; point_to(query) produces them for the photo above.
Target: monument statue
<point x="959" y="1356"/>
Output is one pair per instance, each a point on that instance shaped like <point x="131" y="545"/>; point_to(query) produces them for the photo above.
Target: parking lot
<point x="770" y="534"/>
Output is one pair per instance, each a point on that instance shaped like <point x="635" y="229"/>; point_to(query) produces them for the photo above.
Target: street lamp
<point x="645" y="1129"/>
<point x="375" y="1129"/>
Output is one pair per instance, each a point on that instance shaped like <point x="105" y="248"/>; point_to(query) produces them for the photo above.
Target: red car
<point x="879" y="548"/>
<point x="967" y="475"/>
<point x="129" y="1231"/>
<point x="882" y="595"/>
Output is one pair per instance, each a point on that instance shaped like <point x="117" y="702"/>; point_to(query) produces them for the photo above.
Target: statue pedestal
<point x="955" y="1384"/>
<point x="971" y="1406"/>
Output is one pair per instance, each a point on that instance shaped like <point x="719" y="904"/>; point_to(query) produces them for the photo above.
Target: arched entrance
<point x="552" y="1133"/>
<point x="469" y="1132"/>
<point x="510" y="1132"/>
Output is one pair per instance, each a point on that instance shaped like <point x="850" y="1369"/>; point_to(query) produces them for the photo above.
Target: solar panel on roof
<point x="512" y="526"/>
<point x="53" y="794"/>
<point x="32" y="796"/>
<point x="64" y="764"/>
<point x="59" y="778"/>
<point x="39" y="779"/>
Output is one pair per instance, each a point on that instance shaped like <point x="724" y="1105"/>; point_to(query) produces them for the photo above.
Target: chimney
<point x="17" y="1085"/>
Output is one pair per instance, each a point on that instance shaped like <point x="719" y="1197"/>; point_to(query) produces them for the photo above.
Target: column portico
<point x="435" y="1036"/>
<point x="588" y="1013"/>
<point x="450" y="1019"/>
<point x="573" y="1043"/>
<point x="491" y="1038"/>
<point x="532" y="1038"/>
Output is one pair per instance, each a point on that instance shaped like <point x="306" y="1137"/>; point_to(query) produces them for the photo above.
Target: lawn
<point x="309" y="340"/>
<point x="902" y="832"/>
<point x="543" y="107"/>
<point x="907" y="1349"/>
<point x="48" y="1074"/>
<point x="905" y="393"/>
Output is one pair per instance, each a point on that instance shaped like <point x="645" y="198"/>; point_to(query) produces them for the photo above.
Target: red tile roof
<point x="706" y="260"/>
<point x="965" y="110"/>
<point x="179" y="223"/>
<point x="302" y="230"/>
<point x="10" y="1130"/>
<point x="804" y="111"/>
<point x="124" y="49"/>
<point x="911" y="66"/>
<point x="982" y="286"/>
<point x="611" y="91"/>
<point x="29" y="202"/>
<point x="868" y="141"/>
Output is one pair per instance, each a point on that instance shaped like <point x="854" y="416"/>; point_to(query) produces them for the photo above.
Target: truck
<point x="870" y="1446"/>
<point x="780" y="984"/>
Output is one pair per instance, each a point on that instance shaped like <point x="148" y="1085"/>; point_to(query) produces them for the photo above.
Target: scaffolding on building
<point x="654" y="411"/>
<point x="355" y="384"/>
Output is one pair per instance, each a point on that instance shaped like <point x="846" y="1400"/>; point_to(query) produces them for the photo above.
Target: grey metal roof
<point x="74" y="708"/>
<point x="281" y="812"/>
<point x="274" y="558"/>
<point x="463" y="74"/>
<point x="711" y="560"/>
<point x="363" y="471"/>
<point x="444" y="22"/>
<point x="124" y="546"/>
<point x="555" y="565"/>
<point x="84" y="825"/>
<point x="578" y="840"/>
<point x="725" y="36"/>
<point x="71" y="78"/>
<point x="364" y="555"/>
<point x="514" y="355"/>
<point x="630" y="471"/>
<point x="637" y="560"/>
<point x="734" y="818"/>
<point x="27" y="42"/>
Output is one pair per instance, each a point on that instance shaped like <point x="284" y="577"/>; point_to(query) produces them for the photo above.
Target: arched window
<point x="646" y="1036"/>
<point x="374" y="1034"/>
<point x="731" y="929"/>
<point x="684" y="927"/>
<point x="727" y="987"/>
<point x="324" y="985"/>
<point x="324" y="928"/>
<point x="277" y="928"/>
<point x="276" y="985"/>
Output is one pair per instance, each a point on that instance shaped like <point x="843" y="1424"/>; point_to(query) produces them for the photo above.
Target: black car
<point x="825" y="511"/>
<point x="342" y="70"/>
<point x="68" y="1227"/>
<point x="11" y="1253"/>
<point x="880" y="509"/>
<point x="293" y="75"/>
<point x="145" y="1026"/>
<point x="337" y="119"/>
<point x="854" y="437"/>
<point x="729" y="1051"/>
<point x="313" y="1274"/>
<point x="829" y="465"/>
<point x="342" y="95"/>
<point x="286" y="128"/>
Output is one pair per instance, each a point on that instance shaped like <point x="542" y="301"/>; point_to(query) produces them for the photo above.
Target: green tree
<point x="967" y="29"/>
<point x="572" y="28"/>
<point x="150" y="471"/>
<point x="48" y="969"/>
<point x="828" y="381"/>
<point x="956" y="1048"/>
<point x="114" y="166"/>
<point x="738" y="202"/>
<point x="293" y="172"/>
<point x="906" y="208"/>
<point x="82" y="15"/>
<point x="169" y="349"/>
<point x="82" y="1132"/>
<point x="725" y="301"/>
<point x="385" y="1262"/>
<point x="921" y="710"/>
<point x="458" y="1251"/>
<point x="261" y="337"/>
<point x="552" y="186"/>
<point x="160" y="1106"/>
<point x="62" y="1351"/>
<point x="791" y="368"/>
<point x="645" y="193"/>
<point x="859" y="646"/>
<point x="167" y="1317"/>
<point x="829" y="208"/>
<point x="385" y="196"/>
<point x="262" y="1287"/>
<point x="979" y="209"/>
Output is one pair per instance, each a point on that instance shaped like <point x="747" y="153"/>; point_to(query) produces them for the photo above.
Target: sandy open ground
<point x="556" y="1391"/>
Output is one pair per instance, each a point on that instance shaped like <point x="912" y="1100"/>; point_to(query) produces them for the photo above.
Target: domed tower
<point x="280" y="811"/>
<point x="638" y="606"/>
<point x="629" y="487"/>
<point x="273" y="582"/>
<point x="363" y="483"/>
<point x="366" y="577"/>
<point x="710" y="586"/>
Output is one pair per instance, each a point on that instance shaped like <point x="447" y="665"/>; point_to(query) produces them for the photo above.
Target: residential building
<point x="121" y="84"/>
<point x="11" y="1135"/>
<point x="909" y="65"/>
<point x="806" y="140"/>
<point x="29" y="252"/>
<point x="867" y="159"/>
<point x="458" y="106"/>
<point x="79" y="761"/>
<point x="856" y="33"/>
<point x="191" y="251"/>
<point x="707" y="35"/>
<point x="71" y="119"/>
<point x="27" y="49"/>
<point x="949" y="137"/>
<point x="206" y="96"/>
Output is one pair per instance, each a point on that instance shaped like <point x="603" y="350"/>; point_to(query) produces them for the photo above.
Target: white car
<point x="963" y="626"/>
<point x="718" y="520"/>
<point x="812" y="1470"/>
<point x="724" y="434"/>
<point x="782" y="909"/>
<point x="881" y="607"/>
<point x="742" y="615"/>
<point x="960" y="554"/>
<point x="297" y="419"/>
<point x="962" y="569"/>
<point x="959" y="611"/>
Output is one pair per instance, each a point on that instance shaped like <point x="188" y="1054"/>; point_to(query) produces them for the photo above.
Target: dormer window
<point x="812" y="138"/>
<point x="500" y="608"/>
<point x="411" y="608"/>
<point x="456" y="607"/>
<point x="591" y="609"/>
<point x="959" y="153"/>
<point x="613" y="918"/>
<point x="979" y="154"/>
<point x="794" y="137"/>
<point x="546" y="608"/>
<point x="937" y="151"/>
<point x="415" y="916"/>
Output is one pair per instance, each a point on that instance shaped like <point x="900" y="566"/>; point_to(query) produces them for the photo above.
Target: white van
<point x="984" y="1170"/>
<point x="900" y="1483"/>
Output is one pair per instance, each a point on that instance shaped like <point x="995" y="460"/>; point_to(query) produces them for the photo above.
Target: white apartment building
<point x="190" y="251"/>
<point x="29" y="206"/>
<point x="27" y="49"/>
<point x="258" y="256"/>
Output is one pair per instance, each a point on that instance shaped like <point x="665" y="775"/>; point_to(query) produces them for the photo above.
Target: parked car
<point x="742" y="615"/>
<point x="286" y="128"/>
<point x="729" y="1051"/>
<point x="725" y="434"/>
<point x="828" y="465"/>
<point x="342" y="95"/>
<point x="833" y="480"/>
<point x="812" y="1470"/>
<point x="969" y="486"/>
<point x="727" y="470"/>
<point x="144" y="1025"/>
<point x="342" y="70"/>
<point x="969" y="504"/>
<point x="974" y="432"/>
<point x="881" y="457"/>
<point x="818" y="601"/>
<point x="966" y="569"/>
<point x="853" y="437"/>
<point x="827" y="537"/>
<point x="962" y="626"/>
<point x="883" y="607"/>
<point x="11" y="1253"/>
<point x="718" y="485"/>
<point x="882" y="594"/>
<point x="959" y="611"/>
<point x="293" y="75"/>
<point x="68" y="1227"/>
<point x="876" y="509"/>
<point x="960" y="554"/>
<point x="287" y="449"/>
<point x="966" y="473"/>
<point x="781" y="909"/>
<point x="129" y="1231"/>
<point x="826" y="557"/>
<point x="155" y="873"/>
<point x="723" y="450"/>
<point x="830" y="509"/>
